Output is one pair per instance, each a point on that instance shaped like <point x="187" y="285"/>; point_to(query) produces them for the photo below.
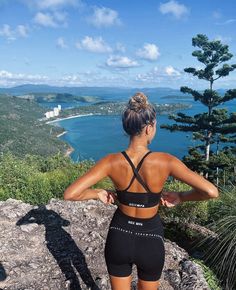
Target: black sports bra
<point x="138" y="199"/>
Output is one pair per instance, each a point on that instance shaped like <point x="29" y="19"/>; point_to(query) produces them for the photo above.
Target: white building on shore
<point x="54" y="113"/>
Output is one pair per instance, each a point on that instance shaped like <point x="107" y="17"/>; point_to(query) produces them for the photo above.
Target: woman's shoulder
<point x="154" y="154"/>
<point x="161" y="154"/>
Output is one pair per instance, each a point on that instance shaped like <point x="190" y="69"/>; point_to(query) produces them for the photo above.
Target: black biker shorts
<point x="136" y="241"/>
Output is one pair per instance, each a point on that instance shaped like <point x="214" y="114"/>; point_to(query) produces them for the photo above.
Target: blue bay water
<point x="93" y="137"/>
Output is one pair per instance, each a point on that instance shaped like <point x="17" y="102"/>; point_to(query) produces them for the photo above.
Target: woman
<point x="135" y="233"/>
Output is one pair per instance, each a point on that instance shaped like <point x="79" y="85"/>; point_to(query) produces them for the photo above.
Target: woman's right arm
<point x="202" y="189"/>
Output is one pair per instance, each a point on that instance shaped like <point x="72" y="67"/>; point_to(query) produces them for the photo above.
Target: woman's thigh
<point x="148" y="285"/>
<point x="120" y="283"/>
<point x="124" y="283"/>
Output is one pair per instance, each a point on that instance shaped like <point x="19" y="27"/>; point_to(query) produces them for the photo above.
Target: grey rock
<point x="60" y="246"/>
<point x="193" y="271"/>
<point x="28" y="228"/>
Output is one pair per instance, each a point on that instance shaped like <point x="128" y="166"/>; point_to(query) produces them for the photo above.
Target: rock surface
<point x="60" y="246"/>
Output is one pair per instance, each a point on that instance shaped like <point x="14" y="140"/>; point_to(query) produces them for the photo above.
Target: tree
<point x="215" y="125"/>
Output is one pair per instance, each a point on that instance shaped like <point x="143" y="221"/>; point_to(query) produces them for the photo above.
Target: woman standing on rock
<point x="135" y="233"/>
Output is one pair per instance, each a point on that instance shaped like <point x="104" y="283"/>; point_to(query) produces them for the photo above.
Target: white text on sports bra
<point x="136" y="204"/>
<point x="135" y="223"/>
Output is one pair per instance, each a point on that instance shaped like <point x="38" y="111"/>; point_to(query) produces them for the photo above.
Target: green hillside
<point x="22" y="132"/>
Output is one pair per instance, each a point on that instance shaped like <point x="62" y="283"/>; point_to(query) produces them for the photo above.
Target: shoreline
<point x="71" y="117"/>
<point x="69" y="151"/>
<point x="61" y="134"/>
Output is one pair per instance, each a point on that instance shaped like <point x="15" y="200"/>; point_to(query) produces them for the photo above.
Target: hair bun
<point x="138" y="102"/>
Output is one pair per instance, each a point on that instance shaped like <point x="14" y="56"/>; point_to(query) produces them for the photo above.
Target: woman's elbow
<point x="68" y="195"/>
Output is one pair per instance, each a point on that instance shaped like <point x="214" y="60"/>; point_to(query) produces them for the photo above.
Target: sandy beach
<point x="68" y="150"/>
<point x="59" y="135"/>
<point x="71" y="117"/>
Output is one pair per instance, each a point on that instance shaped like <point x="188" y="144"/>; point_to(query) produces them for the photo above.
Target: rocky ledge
<point x="60" y="246"/>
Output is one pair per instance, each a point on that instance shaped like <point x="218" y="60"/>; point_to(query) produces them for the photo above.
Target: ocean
<point x="93" y="137"/>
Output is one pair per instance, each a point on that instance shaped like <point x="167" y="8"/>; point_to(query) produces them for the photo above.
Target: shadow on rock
<point x="61" y="245"/>
<point x="3" y="274"/>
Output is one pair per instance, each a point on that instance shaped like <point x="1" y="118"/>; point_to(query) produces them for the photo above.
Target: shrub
<point x="220" y="252"/>
<point x="225" y="205"/>
<point x="35" y="179"/>
<point x="209" y="275"/>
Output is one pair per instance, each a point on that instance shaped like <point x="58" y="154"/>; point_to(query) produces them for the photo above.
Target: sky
<point x="110" y="43"/>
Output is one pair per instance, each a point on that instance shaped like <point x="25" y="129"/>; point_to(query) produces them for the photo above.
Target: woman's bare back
<point x="154" y="172"/>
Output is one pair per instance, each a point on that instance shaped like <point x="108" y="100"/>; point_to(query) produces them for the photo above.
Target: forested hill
<point x="22" y="132"/>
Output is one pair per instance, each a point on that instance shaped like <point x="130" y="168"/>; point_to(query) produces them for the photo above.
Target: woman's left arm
<point x="79" y="189"/>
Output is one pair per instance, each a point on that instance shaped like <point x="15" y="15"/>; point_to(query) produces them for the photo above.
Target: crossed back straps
<point x="135" y="170"/>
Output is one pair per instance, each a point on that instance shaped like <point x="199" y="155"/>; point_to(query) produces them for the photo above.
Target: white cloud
<point x="7" y="32"/>
<point x="229" y="21"/>
<point x="61" y="42"/>
<point x="96" y="44"/>
<point x="223" y="39"/>
<point x="159" y="74"/>
<point x="170" y="71"/>
<point x="44" y="19"/>
<point x="50" y="19"/>
<point x="227" y="82"/>
<point x="104" y="17"/>
<point x="174" y="8"/>
<point x="149" y="52"/>
<point x="12" y="34"/>
<point x="127" y="78"/>
<point x="71" y="79"/>
<point x="10" y="79"/>
<point x="22" y="30"/>
<point x="50" y="4"/>
<point x="95" y="78"/>
<point x="121" y="62"/>
<point x="5" y="74"/>
<point x="226" y="22"/>
<point x="44" y="4"/>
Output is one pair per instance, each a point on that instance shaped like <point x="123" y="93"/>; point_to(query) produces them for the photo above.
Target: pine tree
<point x="215" y="125"/>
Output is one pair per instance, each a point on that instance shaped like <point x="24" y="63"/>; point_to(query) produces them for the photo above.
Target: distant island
<point x="115" y="108"/>
<point x="57" y="97"/>
<point x="177" y="97"/>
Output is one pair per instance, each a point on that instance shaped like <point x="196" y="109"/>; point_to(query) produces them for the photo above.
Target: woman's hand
<point x="170" y="198"/>
<point x="106" y="196"/>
